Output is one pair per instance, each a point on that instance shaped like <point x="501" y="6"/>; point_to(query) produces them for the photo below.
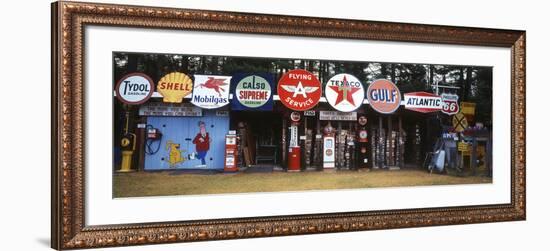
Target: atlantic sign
<point x="252" y="92"/>
<point x="423" y="102"/>
<point x="383" y="96"/>
<point x="299" y="90"/>
<point x="134" y="88"/>
<point x="210" y="92"/>
<point x="344" y="92"/>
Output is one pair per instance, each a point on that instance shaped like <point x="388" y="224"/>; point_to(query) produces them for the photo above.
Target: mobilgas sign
<point x="134" y="88"/>
<point x="344" y="92"/>
<point x="383" y="96"/>
<point x="252" y="92"/>
<point x="424" y="102"/>
<point x="210" y="91"/>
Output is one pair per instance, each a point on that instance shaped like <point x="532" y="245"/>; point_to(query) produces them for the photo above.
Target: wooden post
<point x="389" y="144"/>
<point x="283" y="144"/>
<point x="401" y="147"/>
<point x="489" y="155"/>
<point x="473" y="156"/>
<point x="339" y="147"/>
<point x="380" y="152"/>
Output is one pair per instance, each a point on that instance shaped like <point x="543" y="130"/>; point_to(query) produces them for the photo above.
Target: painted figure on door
<point x="202" y="143"/>
<point x="175" y="157"/>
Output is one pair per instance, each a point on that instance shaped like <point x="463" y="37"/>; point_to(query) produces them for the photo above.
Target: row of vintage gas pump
<point x="294" y="150"/>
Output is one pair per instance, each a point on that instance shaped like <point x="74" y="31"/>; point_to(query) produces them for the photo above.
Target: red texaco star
<point x="344" y="92"/>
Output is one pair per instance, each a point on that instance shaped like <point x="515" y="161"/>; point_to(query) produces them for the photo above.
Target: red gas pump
<point x="231" y="153"/>
<point x="294" y="153"/>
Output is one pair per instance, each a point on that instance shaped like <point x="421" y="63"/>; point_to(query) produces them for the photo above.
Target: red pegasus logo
<point x="214" y="83"/>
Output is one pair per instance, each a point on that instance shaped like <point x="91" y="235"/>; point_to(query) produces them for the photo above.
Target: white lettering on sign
<point x="338" y="116"/>
<point x="210" y="91"/>
<point x="423" y="102"/>
<point x="170" y="109"/>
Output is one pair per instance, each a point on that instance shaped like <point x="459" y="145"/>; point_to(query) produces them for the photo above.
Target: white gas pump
<point x="328" y="147"/>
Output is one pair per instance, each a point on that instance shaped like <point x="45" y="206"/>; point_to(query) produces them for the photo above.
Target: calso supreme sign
<point x="252" y="91"/>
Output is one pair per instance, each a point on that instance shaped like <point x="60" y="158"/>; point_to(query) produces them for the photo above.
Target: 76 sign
<point x="450" y="104"/>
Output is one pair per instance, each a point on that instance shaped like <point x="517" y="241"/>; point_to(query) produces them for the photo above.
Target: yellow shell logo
<point x="174" y="86"/>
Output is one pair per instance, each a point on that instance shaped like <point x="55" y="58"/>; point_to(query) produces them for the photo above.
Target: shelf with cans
<point x="290" y="122"/>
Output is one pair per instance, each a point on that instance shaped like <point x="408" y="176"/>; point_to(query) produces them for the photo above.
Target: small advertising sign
<point x="170" y="110"/>
<point x="174" y="87"/>
<point x="424" y="102"/>
<point x="211" y="92"/>
<point x="450" y="103"/>
<point x="295" y="116"/>
<point x="459" y="122"/>
<point x="338" y="116"/>
<point x="134" y="88"/>
<point x="383" y="96"/>
<point x="469" y="110"/>
<point x="252" y="92"/>
<point x="299" y="90"/>
<point x="344" y="92"/>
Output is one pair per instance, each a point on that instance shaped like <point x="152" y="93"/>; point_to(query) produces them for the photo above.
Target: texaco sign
<point x="344" y="92"/>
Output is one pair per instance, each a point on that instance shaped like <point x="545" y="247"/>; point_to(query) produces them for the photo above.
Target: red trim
<point x="131" y="75"/>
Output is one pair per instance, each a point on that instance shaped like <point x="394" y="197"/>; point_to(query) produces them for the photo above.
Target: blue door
<point x="177" y="150"/>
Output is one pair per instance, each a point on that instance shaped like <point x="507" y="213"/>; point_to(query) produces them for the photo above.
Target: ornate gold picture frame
<point x="69" y="229"/>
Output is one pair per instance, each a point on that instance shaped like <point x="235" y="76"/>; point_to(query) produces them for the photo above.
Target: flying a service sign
<point x="299" y="90"/>
<point x="210" y="92"/>
<point x="424" y="102"/>
<point x="252" y="92"/>
<point x="344" y="92"/>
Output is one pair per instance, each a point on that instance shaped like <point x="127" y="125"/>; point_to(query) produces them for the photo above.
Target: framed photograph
<point x="177" y="125"/>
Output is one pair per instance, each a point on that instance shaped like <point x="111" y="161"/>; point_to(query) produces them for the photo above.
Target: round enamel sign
<point x="384" y="96"/>
<point x="295" y="116"/>
<point x="253" y="91"/>
<point x="344" y="92"/>
<point x="134" y="88"/>
<point x="299" y="90"/>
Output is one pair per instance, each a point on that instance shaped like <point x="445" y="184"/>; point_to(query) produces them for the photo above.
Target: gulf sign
<point x="299" y="90"/>
<point x="383" y="96"/>
<point x="423" y="102"/>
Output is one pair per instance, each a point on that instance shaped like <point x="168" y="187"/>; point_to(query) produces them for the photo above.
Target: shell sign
<point x="174" y="87"/>
<point x="383" y="96"/>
